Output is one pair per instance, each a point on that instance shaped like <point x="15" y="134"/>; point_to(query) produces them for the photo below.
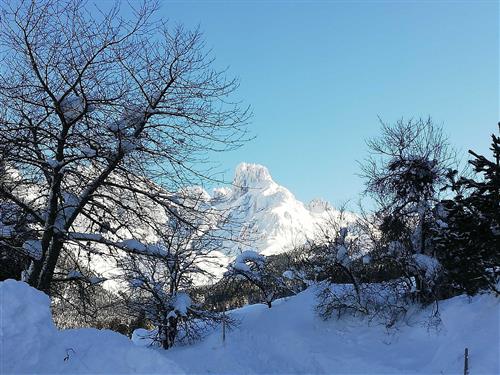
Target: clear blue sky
<point x="317" y="75"/>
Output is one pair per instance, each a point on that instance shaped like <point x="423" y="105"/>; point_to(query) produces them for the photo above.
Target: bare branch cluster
<point x="101" y="116"/>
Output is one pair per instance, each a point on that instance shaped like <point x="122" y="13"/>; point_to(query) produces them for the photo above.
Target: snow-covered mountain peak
<point x="252" y="176"/>
<point x="272" y="219"/>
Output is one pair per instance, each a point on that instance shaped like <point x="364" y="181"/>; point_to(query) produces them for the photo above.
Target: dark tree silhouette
<point x="97" y="112"/>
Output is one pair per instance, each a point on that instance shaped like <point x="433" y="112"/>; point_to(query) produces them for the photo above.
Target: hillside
<point x="289" y="338"/>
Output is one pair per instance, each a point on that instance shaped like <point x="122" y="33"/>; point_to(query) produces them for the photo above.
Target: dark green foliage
<point x="14" y="230"/>
<point x="468" y="239"/>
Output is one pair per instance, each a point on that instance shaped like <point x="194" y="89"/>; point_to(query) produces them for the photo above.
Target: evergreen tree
<point x="467" y="237"/>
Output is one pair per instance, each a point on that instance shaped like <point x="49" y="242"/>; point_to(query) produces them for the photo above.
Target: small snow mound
<point x="427" y="264"/>
<point x="25" y="325"/>
<point x="222" y="193"/>
<point x="142" y="337"/>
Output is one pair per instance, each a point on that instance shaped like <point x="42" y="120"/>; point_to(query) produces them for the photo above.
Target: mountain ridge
<point x="273" y="219"/>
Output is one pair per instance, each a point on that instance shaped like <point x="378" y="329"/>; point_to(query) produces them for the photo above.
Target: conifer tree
<point x="468" y="235"/>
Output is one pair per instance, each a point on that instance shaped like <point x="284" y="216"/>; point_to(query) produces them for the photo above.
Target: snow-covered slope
<point x="287" y="339"/>
<point x="31" y="344"/>
<point x="272" y="220"/>
<point x="290" y="339"/>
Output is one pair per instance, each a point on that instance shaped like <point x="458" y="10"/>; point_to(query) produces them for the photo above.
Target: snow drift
<point x="290" y="338"/>
<point x="30" y="343"/>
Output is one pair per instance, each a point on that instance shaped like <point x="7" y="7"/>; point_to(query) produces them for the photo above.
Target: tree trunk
<point x="421" y="224"/>
<point x="46" y="267"/>
<point x="169" y="333"/>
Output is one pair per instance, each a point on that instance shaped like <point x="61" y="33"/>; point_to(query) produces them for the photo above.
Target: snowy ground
<point x="287" y="339"/>
<point x="30" y="343"/>
<point x="290" y="339"/>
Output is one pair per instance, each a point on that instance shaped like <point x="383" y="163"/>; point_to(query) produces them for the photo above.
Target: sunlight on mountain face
<point x="272" y="219"/>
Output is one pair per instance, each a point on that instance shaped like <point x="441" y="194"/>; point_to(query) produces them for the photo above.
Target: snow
<point x="157" y="249"/>
<point x="251" y="176"/>
<point x="267" y="218"/>
<point x="319" y="206"/>
<point x="429" y="265"/>
<point x="54" y="163"/>
<point x="181" y="303"/>
<point x="85" y="236"/>
<point x="88" y="152"/>
<point x="74" y="274"/>
<point x="286" y="339"/>
<point x="240" y="263"/>
<point x="33" y="248"/>
<point x="250" y="256"/>
<point x="72" y="106"/>
<point x="130" y="119"/>
<point x="6" y="230"/>
<point x="290" y="339"/>
<point x="272" y="219"/>
<point x="137" y="246"/>
<point x="133" y="244"/>
<point x="367" y="259"/>
<point x="290" y="275"/>
<point x="30" y="343"/>
<point x="343" y="256"/>
<point x="136" y="283"/>
<point x="94" y="280"/>
<point x="142" y="337"/>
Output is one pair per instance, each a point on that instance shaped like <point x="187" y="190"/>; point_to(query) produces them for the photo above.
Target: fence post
<point x="224" y="324"/>
<point x="466" y="362"/>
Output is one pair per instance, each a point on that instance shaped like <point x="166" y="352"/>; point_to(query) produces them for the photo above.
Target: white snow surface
<point x="290" y="338"/>
<point x="287" y="339"/>
<point x="33" y="248"/>
<point x="31" y="344"/>
<point x="181" y="303"/>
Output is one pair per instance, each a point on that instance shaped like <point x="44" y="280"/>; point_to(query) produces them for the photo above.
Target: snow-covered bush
<point x="358" y="274"/>
<point x="159" y="289"/>
<point x="384" y="303"/>
<point x="256" y="270"/>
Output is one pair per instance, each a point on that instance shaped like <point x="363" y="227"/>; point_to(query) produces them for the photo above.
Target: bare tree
<point x="95" y="107"/>
<point x="404" y="172"/>
<point x="159" y="286"/>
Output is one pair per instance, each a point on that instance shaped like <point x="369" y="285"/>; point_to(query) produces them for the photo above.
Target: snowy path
<point x="290" y="339"/>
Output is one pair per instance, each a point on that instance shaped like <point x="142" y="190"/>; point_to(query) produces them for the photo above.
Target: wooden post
<point x="224" y="324"/>
<point x="466" y="362"/>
